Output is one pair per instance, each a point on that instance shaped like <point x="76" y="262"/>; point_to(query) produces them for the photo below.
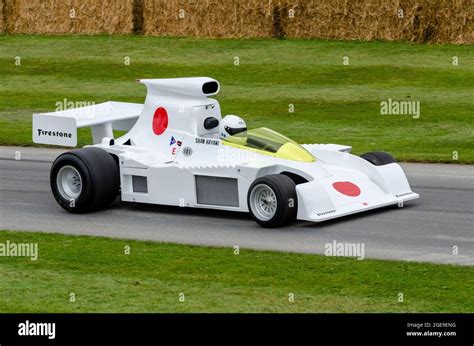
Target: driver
<point x="233" y="128"/>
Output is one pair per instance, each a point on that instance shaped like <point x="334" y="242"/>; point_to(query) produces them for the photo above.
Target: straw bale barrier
<point x="436" y="21"/>
<point x="423" y="21"/>
<point x="213" y="18"/>
<point x="68" y="16"/>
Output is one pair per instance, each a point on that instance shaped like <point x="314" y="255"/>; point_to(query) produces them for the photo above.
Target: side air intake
<point x="217" y="191"/>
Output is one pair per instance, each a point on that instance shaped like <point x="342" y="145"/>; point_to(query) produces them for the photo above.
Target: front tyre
<point x="272" y="200"/>
<point x="85" y="180"/>
<point x="378" y="158"/>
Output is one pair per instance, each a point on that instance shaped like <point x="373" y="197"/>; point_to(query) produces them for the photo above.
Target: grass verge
<point x="151" y="278"/>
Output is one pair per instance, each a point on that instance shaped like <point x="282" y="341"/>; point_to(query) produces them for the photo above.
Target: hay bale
<point x="70" y="16"/>
<point x="213" y="18"/>
<point x="439" y="21"/>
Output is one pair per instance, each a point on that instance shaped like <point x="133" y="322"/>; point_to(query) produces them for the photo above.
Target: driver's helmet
<point x="235" y="127"/>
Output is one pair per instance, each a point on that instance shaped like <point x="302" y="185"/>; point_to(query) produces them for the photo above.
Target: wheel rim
<point x="69" y="182"/>
<point x="263" y="202"/>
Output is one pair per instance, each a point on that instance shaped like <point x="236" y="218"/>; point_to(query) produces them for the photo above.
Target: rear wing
<point x="60" y="128"/>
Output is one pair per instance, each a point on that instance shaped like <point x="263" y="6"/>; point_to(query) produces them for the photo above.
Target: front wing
<point x="320" y="200"/>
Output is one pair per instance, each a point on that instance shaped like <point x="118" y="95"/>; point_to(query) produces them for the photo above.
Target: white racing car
<point x="179" y="151"/>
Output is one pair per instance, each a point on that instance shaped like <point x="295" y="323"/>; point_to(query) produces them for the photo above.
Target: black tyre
<point x="378" y="158"/>
<point x="272" y="200"/>
<point x="85" y="180"/>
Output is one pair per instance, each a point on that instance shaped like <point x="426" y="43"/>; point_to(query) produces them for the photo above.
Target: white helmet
<point x="231" y="125"/>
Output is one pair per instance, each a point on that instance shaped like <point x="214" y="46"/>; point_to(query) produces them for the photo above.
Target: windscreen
<point x="270" y="142"/>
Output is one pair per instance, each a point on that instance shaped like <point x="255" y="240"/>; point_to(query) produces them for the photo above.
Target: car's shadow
<point x="242" y="216"/>
<point x="181" y="211"/>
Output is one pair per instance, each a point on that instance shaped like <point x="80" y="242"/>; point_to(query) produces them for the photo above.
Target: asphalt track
<point x="424" y="230"/>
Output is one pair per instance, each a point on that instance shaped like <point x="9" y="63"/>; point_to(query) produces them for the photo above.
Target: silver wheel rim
<point x="263" y="202"/>
<point x="69" y="182"/>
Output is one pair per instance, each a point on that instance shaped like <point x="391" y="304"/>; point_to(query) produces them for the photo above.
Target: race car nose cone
<point x="347" y="188"/>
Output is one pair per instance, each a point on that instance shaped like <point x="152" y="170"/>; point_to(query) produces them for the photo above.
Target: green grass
<point x="333" y="103"/>
<point x="153" y="275"/>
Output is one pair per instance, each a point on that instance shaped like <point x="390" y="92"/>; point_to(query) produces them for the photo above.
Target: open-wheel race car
<point x="179" y="151"/>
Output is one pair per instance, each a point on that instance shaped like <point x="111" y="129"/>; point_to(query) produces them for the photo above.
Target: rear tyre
<point x="379" y="158"/>
<point x="85" y="180"/>
<point x="272" y="200"/>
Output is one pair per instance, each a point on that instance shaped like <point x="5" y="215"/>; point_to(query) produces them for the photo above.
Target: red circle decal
<point x="347" y="188"/>
<point x="160" y="121"/>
